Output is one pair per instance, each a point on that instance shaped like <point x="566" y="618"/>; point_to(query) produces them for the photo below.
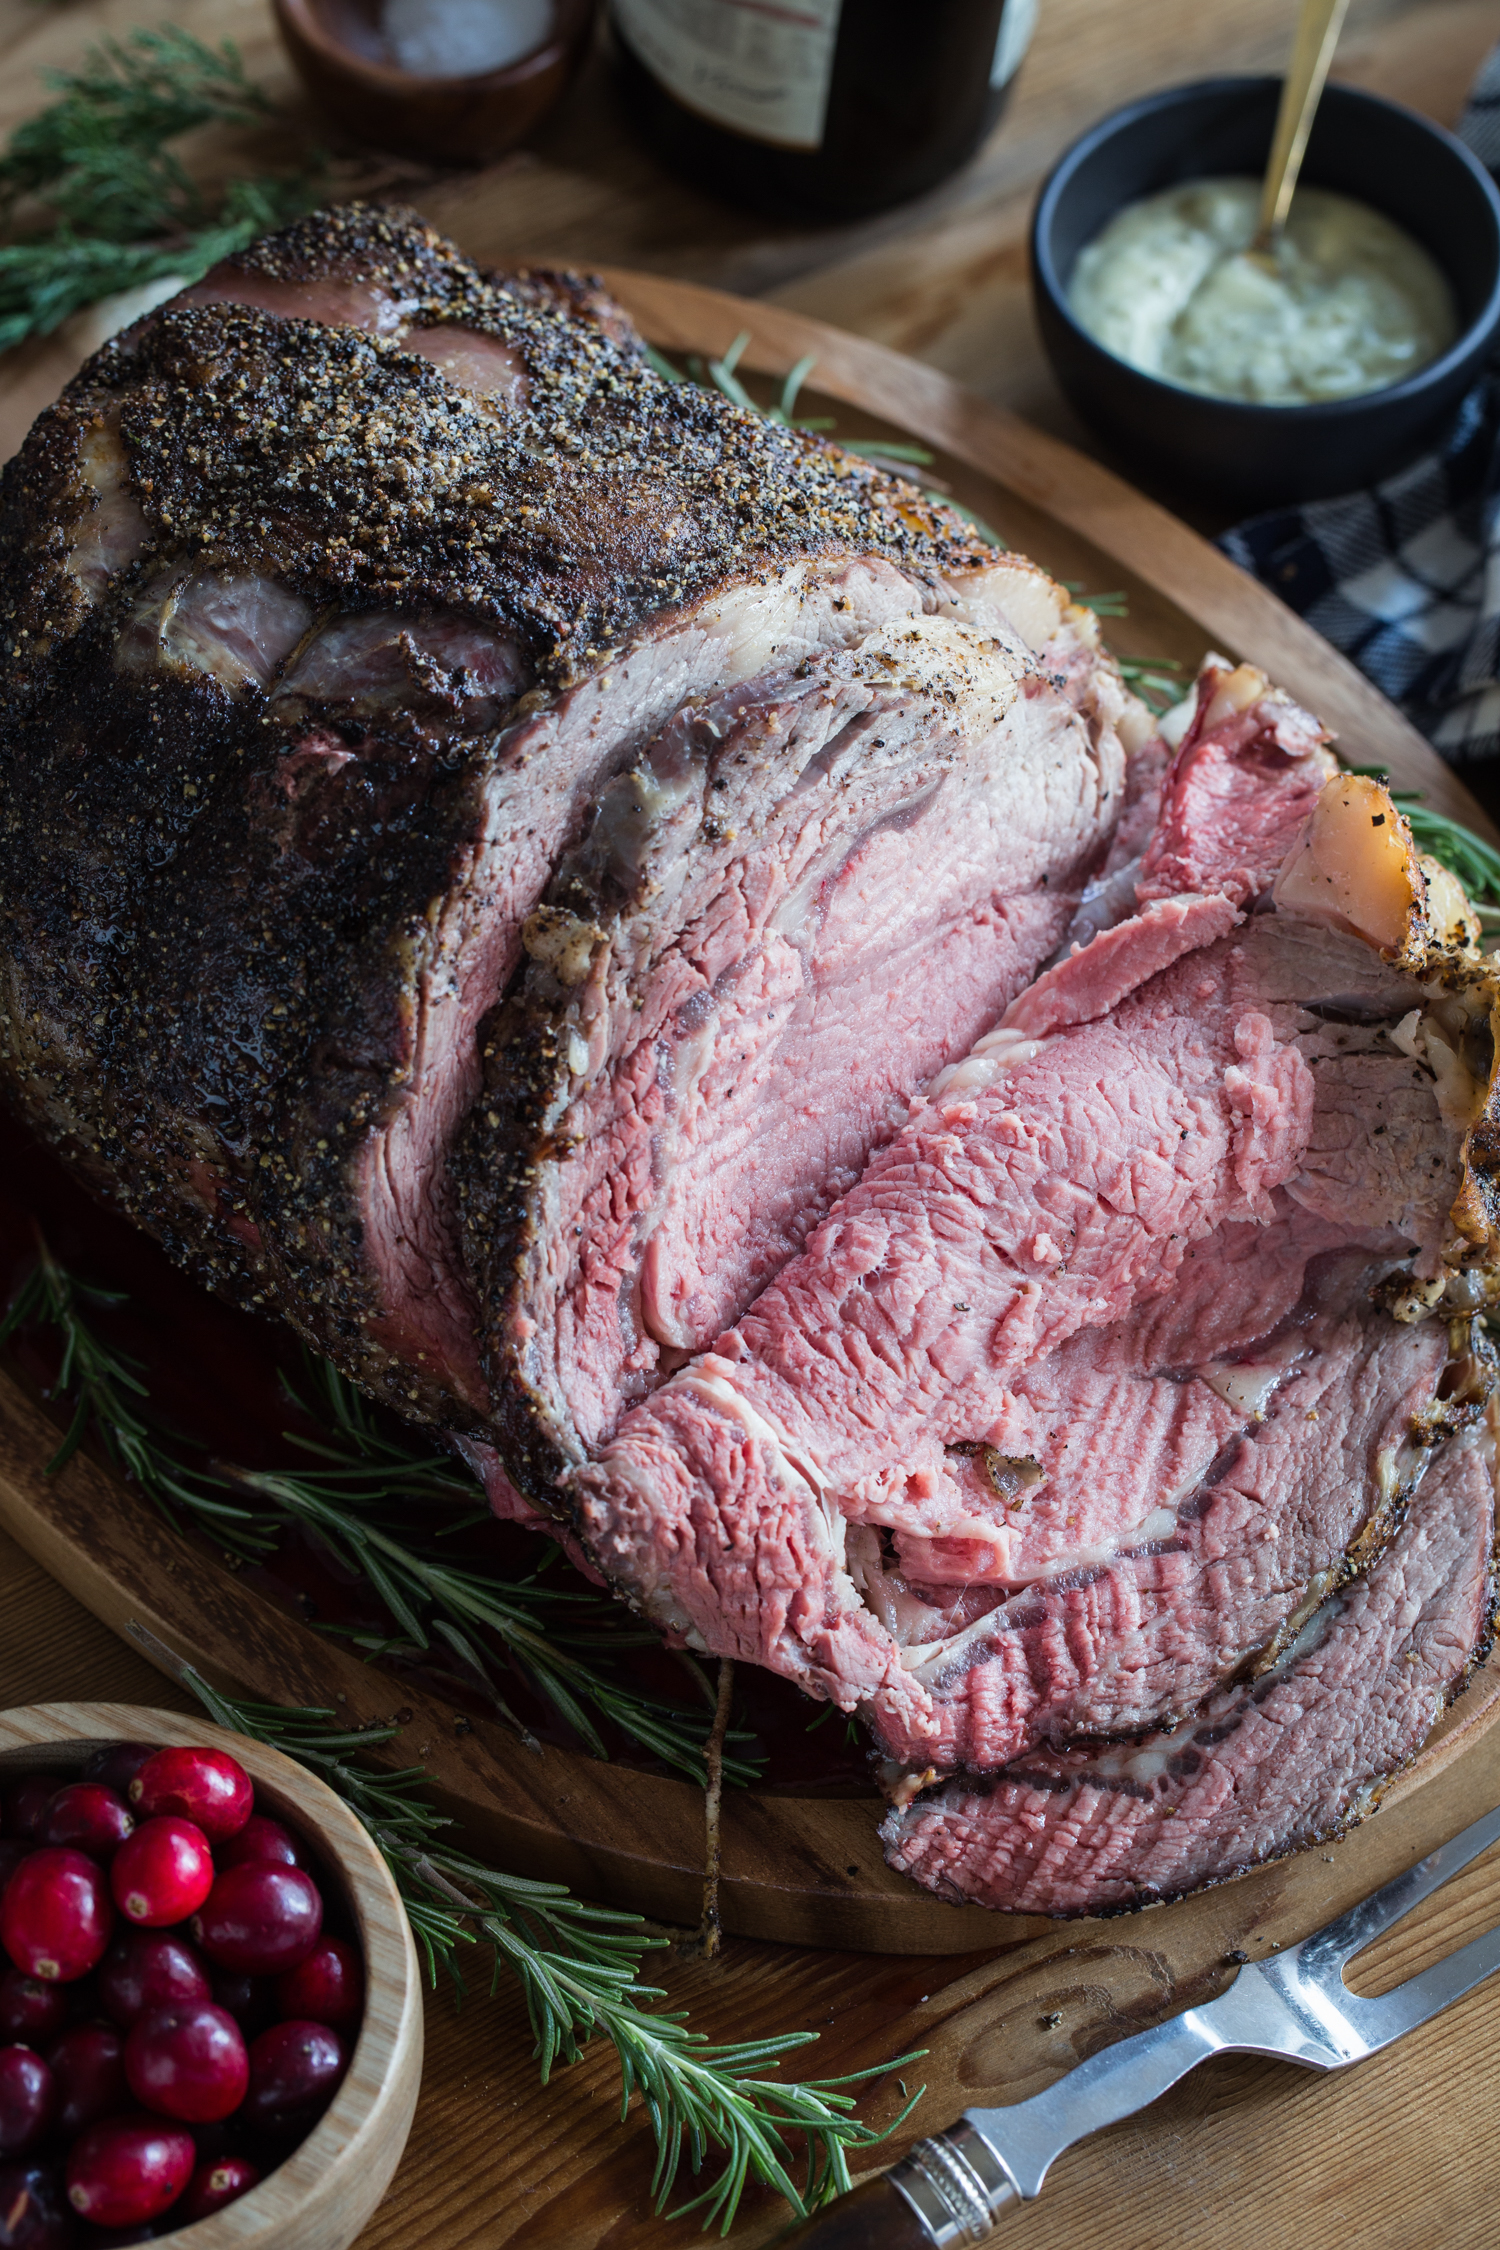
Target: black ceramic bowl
<point x="1255" y="456"/>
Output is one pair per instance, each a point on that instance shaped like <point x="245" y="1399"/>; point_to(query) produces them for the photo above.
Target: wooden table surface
<point x="1403" y="2154"/>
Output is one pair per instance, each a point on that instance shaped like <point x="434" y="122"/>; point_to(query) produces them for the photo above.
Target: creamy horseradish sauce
<point x="1350" y="303"/>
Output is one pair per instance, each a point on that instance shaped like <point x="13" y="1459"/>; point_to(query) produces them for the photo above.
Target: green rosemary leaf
<point x="359" y="1504"/>
<point x="125" y="213"/>
<point x="578" y="1967"/>
<point x="1157" y="680"/>
<point x="796" y="377"/>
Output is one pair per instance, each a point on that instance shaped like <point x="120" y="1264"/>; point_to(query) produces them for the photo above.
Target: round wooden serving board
<point x="796" y="1868"/>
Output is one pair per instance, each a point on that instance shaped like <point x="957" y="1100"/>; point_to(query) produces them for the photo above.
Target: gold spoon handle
<point x="1318" y="31"/>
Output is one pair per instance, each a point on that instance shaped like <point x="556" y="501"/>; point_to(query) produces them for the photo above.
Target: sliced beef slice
<point x="1005" y="1218"/>
<point x="1150" y="1207"/>
<point x="805" y="894"/>
<point x="340" y="590"/>
<point x="1268" y="1766"/>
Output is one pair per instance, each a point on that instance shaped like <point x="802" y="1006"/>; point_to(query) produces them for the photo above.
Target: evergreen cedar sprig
<point x="123" y="210"/>
<point x="578" y="1967"/>
<point x="359" y="1506"/>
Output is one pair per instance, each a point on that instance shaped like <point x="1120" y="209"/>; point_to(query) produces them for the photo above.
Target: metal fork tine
<point x="1338" y="1942"/>
<point x="1380" y="2021"/>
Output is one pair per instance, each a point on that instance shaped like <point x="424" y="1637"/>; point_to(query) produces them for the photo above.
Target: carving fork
<point x="953" y="2188"/>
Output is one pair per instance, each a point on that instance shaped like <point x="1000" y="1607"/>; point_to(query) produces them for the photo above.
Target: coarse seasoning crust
<point x="224" y="963"/>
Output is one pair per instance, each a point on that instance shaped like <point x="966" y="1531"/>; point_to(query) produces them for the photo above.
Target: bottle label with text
<point x="761" y="67"/>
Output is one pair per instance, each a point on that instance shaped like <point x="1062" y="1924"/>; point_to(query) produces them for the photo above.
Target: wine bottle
<point x="819" y="108"/>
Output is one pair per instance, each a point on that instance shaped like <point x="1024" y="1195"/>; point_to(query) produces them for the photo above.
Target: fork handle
<point x="945" y="2191"/>
<point x="875" y="2216"/>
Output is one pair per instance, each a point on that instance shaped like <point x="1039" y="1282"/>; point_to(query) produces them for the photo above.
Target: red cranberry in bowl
<point x="187" y="2062"/>
<point x="205" y="1786"/>
<point x="295" y="2071"/>
<point x="260" y="1920"/>
<point x="28" y="2100"/>
<point x="162" y="1873"/>
<point x="128" y="2169"/>
<point x="34" y="2213"/>
<point x="250" y="2000"/>
<point x="25" y="1805"/>
<point x="88" y="2066"/>
<point x="55" y="1915"/>
<point x="262" y="1838"/>
<point x="31" y="2011"/>
<point x="116" y="1764"/>
<point x="89" y="1817"/>
<point x="217" y="2181"/>
<point x="149" y="1969"/>
<point x="328" y="1987"/>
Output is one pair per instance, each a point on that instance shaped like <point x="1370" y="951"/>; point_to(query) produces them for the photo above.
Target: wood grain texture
<point x="323" y="2195"/>
<point x="1242" y="2156"/>
<point x="1403" y="2154"/>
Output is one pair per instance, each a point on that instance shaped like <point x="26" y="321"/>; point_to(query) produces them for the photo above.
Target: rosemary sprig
<point x="124" y="211"/>
<point x="578" y="1967"/>
<point x="564" y="1643"/>
<point x="1157" y="680"/>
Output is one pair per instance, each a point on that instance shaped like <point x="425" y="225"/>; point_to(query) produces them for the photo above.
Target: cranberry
<point x="33" y="2211"/>
<point x="27" y="2100"/>
<point x="25" y="1804"/>
<point x="260" y="1920"/>
<point x="89" y="1817"/>
<point x="215" y="2183"/>
<point x="55" y="1916"/>
<point x="262" y="1839"/>
<point x="30" y="2010"/>
<point x="295" y="2069"/>
<point x="130" y="2168"/>
<point x="88" y="2065"/>
<point x="206" y="1786"/>
<point x="250" y="2000"/>
<point x="162" y="1873"/>
<point x="12" y="1852"/>
<point x="328" y="1987"/>
<point x="117" y="1764"/>
<point x="149" y="1969"/>
<point x="187" y="2062"/>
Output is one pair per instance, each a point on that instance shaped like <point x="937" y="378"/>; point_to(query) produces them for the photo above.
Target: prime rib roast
<point x="679" y="965"/>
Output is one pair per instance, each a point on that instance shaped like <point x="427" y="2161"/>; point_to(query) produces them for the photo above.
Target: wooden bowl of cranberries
<point x="210" y="2006"/>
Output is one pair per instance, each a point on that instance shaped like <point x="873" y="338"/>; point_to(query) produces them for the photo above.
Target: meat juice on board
<point x="826" y="110"/>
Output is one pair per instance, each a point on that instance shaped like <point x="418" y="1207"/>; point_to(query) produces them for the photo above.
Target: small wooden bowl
<point x="340" y="53"/>
<point x="324" y="2193"/>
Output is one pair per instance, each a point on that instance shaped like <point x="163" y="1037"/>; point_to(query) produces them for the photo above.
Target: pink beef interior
<point x="1085" y="1397"/>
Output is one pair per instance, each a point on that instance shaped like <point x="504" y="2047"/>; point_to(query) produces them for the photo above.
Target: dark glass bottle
<point x="823" y="109"/>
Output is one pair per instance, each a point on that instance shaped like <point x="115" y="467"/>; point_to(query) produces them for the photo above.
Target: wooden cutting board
<point x="796" y="1868"/>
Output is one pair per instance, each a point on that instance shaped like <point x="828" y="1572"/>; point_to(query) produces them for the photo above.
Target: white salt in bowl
<point x="462" y="106"/>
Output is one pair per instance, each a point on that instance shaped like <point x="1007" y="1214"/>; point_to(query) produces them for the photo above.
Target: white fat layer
<point x="1247" y="1387"/>
<point x="985" y="1064"/>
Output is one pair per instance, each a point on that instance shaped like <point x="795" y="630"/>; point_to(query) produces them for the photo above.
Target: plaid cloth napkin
<point x="1405" y="578"/>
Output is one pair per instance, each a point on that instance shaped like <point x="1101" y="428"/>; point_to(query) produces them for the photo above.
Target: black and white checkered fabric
<point x="1405" y="578"/>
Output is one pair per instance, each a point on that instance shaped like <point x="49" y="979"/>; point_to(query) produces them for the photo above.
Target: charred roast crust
<point x="209" y="1011"/>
